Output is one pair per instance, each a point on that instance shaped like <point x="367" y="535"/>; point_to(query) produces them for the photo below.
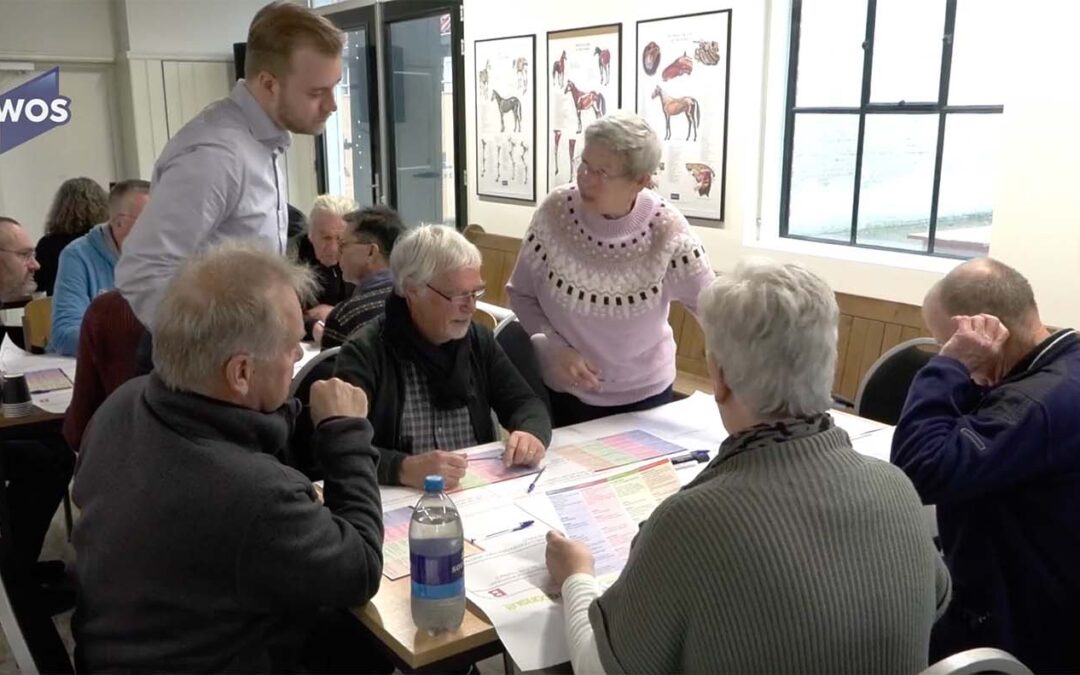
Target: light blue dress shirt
<point x="219" y="178"/>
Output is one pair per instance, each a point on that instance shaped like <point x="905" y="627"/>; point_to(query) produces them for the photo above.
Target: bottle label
<point x="438" y="577"/>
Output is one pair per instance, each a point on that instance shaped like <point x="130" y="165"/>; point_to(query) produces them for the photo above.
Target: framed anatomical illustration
<point x="583" y="66"/>
<point x="683" y="68"/>
<point x="505" y="108"/>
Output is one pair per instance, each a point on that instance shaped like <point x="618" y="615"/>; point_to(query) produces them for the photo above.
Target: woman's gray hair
<point x="427" y="251"/>
<point x="220" y="304"/>
<point x="629" y="136"/>
<point x="771" y="328"/>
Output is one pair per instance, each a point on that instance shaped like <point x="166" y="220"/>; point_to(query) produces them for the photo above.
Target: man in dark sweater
<point x="991" y="434"/>
<point x="35" y="467"/>
<point x="198" y="550"/>
<point x="434" y="376"/>
<point x="318" y="248"/>
<point x="370" y="234"/>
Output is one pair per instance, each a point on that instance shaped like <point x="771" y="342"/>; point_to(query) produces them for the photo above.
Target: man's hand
<point x="336" y="398"/>
<point x="979" y="342"/>
<point x="566" y="557"/>
<point x="450" y="465"/>
<point x="523" y="449"/>
<point x="574" y="372"/>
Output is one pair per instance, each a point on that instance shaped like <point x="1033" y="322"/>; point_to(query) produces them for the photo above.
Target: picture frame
<point x="505" y="117"/>
<point x="584" y="67"/>
<point x="682" y="84"/>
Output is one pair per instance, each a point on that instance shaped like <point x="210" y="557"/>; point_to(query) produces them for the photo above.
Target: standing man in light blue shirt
<point x="220" y="177"/>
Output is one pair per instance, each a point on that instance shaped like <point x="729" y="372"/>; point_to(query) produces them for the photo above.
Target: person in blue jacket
<point x="990" y="433"/>
<point x="87" y="264"/>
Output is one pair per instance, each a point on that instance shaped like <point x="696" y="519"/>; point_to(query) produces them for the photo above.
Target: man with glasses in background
<point x="432" y="375"/>
<point x="364" y="257"/>
<point x="35" y="467"/>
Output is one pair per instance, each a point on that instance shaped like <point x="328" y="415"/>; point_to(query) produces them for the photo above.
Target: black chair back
<point x="515" y="341"/>
<point x="884" y="388"/>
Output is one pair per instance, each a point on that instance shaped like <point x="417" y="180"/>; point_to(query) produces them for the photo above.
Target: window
<point x="893" y="111"/>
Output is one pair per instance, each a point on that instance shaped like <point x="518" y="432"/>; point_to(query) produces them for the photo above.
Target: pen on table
<point x="532" y="485"/>
<point x="517" y="528"/>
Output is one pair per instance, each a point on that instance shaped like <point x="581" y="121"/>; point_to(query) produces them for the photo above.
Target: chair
<point x="485" y="318"/>
<point x="885" y="385"/>
<point x="976" y="661"/>
<point x="37" y="324"/>
<point x="301" y="449"/>
<point x="517" y="345"/>
<point x="14" y="635"/>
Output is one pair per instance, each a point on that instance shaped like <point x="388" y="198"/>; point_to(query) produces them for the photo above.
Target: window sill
<point x="907" y="261"/>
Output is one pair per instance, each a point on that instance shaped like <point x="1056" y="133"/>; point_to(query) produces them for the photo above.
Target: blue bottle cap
<point x="433" y="483"/>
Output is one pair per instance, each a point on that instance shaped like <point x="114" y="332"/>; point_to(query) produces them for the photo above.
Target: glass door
<point x="349" y="162"/>
<point x="425" y="96"/>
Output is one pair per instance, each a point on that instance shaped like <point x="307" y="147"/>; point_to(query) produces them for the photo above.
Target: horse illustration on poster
<point x="521" y="70"/>
<point x="603" y="60"/>
<point x="484" y="78"/>
<point x="558" y="70"/>
<point x="686" y="105"/>
<point x="584" y="100"/>
<point x="507" y="105"/>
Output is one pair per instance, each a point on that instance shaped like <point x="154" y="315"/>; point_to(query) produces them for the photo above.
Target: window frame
<point x="940" y="107"/>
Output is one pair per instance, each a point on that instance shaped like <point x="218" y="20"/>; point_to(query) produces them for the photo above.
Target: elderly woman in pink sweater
<point x="598" y="270"/>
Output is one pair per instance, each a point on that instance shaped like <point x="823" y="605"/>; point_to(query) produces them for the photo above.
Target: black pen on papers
<point x="532" y="485"/>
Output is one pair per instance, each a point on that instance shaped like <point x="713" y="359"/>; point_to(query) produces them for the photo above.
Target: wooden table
<point x="389" y="617"/>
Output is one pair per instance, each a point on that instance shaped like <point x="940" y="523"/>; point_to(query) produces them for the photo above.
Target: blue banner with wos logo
<point x="31" y="109"/>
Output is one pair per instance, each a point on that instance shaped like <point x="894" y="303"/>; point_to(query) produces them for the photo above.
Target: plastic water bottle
<point x="436" y="547"/>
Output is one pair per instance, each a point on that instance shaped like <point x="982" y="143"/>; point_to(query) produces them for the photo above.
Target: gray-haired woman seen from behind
<point x="790" y="552"/>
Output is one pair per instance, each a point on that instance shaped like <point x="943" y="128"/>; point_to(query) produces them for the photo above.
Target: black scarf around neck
<point x="446" y="366"/>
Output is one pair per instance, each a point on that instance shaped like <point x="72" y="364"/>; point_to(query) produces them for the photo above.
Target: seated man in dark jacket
<point x="434" y="376"/>
<point x="991" y="434"/>
<point x="198" y="550"/>
<point x="318" y="248"/>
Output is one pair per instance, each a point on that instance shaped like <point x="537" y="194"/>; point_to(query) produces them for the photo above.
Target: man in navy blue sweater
<point x="990" y="433"/>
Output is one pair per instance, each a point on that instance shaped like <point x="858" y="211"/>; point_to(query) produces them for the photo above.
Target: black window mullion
<point x="943" y="101"/>
<point x="868" y="63"/>
<point x="789" y="122"/>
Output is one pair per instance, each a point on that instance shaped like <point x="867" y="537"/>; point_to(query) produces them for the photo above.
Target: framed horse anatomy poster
<point x="505" y="109"/>
<point x="583" y="84"/>
<point x="683" y="67"/>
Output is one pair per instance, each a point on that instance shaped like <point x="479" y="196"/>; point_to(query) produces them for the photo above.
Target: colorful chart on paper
<point x="486" y="467"/>
<point x="50" y="379"/>
<point x="617" y="450"/>
<point x="396" y="543"/>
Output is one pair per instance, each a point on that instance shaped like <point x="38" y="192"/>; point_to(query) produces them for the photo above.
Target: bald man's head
<point x="981" y="286"/>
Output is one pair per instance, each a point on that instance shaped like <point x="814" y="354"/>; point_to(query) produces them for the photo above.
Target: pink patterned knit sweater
<point x="604" y="287"/>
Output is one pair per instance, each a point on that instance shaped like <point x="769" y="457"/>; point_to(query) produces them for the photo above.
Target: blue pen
<point x="517" y="528"/>
<point x="532" y="485"/>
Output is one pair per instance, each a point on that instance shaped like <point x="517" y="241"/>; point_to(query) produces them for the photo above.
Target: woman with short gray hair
<point x="803" y="554"/>
<point x="600" y="265"/>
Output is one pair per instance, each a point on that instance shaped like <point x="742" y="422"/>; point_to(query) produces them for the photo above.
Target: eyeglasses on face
<point x="25" y="255"/>
<point x="585" y="170"/>
<point x="460" y="298"/>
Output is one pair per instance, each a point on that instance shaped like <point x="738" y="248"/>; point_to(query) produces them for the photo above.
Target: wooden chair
<point x="37" y="324"/>
<point x="485" y="319"/>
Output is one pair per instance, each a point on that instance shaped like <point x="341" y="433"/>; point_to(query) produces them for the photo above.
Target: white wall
<point x="188" y="27"/>
<point x="82" y="28"/>
<point x="1036" y="208"/>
